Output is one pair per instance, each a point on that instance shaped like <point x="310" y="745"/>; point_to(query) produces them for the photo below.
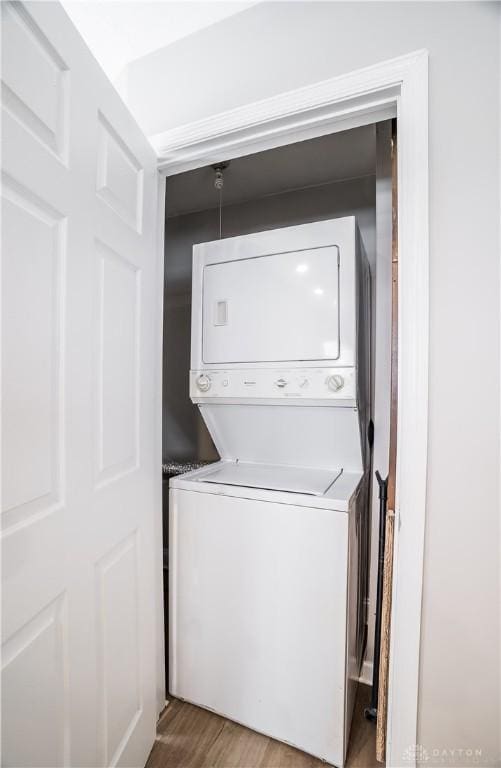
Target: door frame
<point x="397" y="87"/>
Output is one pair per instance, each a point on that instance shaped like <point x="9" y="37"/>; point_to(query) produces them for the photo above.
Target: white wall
<point x="118" y="32"/>
<point x="273" y="47"/>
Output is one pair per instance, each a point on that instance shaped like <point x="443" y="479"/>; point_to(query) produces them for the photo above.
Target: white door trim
<point x="398" y="86"/>
<point x="159" y="553"/>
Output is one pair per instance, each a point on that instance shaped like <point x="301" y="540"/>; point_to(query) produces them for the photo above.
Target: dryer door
<point x="272" y="308"/>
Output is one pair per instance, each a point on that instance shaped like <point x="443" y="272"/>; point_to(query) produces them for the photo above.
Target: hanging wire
<point x="219" y="184"/>
<point x="221" y="211"/>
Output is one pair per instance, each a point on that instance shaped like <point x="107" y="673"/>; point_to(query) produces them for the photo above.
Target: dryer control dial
<point x="203" y="383"/>
<point x="335" y="382"/>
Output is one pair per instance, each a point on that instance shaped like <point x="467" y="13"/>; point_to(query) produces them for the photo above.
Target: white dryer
<point x="265" y="597"/>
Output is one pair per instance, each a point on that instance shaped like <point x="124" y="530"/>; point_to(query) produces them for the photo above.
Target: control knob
<point x="335" y="382"/>
<point x="203" y="383"/>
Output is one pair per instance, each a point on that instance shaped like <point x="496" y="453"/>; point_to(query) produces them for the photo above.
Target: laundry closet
<point x="276" y="414"/>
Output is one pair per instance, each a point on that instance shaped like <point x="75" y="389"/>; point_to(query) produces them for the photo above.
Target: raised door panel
<point x="119" y="647"/>
<point x="39" y="102"/>
<point x="35" y="689"/>
<point x="119" y="176"/>
<point x="33" y="245"/>
<point x="119" y="291"/>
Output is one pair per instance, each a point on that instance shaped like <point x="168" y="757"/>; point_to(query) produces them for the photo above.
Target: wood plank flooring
<point x="190" y="737"/>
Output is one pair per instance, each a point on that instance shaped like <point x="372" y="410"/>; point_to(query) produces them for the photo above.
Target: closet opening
<point x="346" y="175"/>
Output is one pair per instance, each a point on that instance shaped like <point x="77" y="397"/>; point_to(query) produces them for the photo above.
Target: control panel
<point x="308" y="384"/>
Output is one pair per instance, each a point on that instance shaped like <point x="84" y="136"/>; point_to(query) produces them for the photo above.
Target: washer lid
<point x="314" y="482"/>
<point x="284" y="435"/>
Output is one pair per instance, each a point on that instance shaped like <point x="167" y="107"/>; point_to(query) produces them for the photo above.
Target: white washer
<point x="263" y="604"/>
<point x="264" y="596"/>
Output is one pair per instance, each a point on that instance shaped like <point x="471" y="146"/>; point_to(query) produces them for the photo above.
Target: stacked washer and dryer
<point x="266" y="596"/>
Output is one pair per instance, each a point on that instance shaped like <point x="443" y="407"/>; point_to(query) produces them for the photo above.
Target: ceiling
<point x="338" y="156"/>
<point x="118" y="32"/>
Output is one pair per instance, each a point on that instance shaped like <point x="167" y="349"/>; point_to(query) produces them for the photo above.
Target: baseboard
<point x="366" y="673"/>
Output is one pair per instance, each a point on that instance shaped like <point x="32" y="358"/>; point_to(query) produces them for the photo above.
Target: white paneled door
<point x="79" y="466"/>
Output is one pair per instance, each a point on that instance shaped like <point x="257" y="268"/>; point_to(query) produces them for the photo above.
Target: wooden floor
<point x="190" y="737"/>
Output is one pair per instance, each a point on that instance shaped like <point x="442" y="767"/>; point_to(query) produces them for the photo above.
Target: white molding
<point x="412" y="428"/>
<point x="339" y="103"/>
<point x="159" y="597"/>
<point x="399" y="85"/>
